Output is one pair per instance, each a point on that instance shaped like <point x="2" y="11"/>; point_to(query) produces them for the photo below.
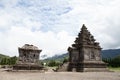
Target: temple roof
<point x="85" y="38"/>
<point x="30" y="47"/>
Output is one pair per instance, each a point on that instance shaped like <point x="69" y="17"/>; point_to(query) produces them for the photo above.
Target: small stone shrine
<point x="28" y="58"/>
<point x="84" y="55"/>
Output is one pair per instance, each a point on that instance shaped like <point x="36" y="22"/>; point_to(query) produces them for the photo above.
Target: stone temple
<point x="28" y="58"/>
<point x="84" y="55"/>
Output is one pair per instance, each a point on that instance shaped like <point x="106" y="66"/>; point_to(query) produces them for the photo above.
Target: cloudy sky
<point x="52" y="25"/>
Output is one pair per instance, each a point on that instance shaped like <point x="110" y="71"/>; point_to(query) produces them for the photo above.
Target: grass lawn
<point x="114" y="69"/>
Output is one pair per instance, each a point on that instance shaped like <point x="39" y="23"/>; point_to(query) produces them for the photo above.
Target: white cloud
<point x="53" y="25"/>
<point x="49" y="42"/>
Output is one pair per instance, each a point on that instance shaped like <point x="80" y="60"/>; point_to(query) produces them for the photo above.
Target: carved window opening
<point x="34" y="55"/>
<point x="24" y="55"/>
<point x="92" y="55"/>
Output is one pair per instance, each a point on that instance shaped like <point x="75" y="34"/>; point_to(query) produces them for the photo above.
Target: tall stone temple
<point x="28" y="58"/>
<point x="84" y="55"/>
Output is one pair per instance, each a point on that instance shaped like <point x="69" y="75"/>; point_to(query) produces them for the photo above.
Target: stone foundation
<point x="27" y="67"/>
<point x="82" y="67"/>
<point x="87" y="67"/>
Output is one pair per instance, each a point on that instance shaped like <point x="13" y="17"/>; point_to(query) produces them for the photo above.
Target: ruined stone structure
<point x="84" y="55"/>
<point x="28" y="58"/>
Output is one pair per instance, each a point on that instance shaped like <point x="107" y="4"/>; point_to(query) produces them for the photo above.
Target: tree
<point x="13" y="60"/>
<point x="53" y="63"/>
<point x="65" y="60"/>
<point x="8" y="61"/>
<point x="113" y="62"/>
<point x="3" y="61"/>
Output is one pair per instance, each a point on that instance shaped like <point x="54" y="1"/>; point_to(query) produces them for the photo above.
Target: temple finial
<point x="84" y="27"/>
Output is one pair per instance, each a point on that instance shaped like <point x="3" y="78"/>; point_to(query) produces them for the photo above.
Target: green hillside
<point x="3" y="56"/>
<point x="110" y="53"/>
<point x="6" y="60"/>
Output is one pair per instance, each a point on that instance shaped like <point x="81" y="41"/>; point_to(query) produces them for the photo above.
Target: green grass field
<point x="114" y="69"/>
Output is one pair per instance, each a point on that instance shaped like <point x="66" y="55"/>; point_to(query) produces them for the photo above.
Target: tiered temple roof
<point x="85" y="39"/>
<point x="29" y="47"/>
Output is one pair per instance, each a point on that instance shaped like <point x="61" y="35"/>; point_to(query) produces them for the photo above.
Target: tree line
<point x="53" y="63"/>
<point x="8" y="60"/>
<point x="112" y="62"/>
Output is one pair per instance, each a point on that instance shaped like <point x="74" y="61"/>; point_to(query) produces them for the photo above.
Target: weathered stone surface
<point x="85" y="54"/>
<point x="28" y="58"/>
<point x="63" y="67"/>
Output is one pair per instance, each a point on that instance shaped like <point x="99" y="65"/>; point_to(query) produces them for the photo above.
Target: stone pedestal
<point x="27" y="67"/>
<point x="28" y="58"/>
<point x="87" y="67"/>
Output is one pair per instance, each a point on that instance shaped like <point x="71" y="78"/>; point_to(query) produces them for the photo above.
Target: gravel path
<point x="59" y="76"/>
